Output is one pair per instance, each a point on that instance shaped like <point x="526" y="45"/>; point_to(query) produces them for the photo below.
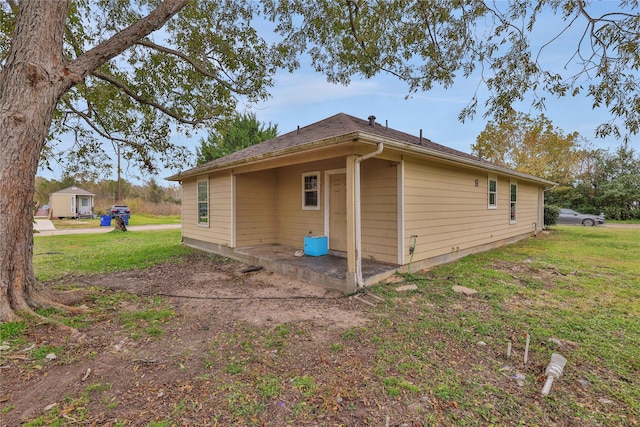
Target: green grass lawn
<point x="58" y="256"/>
<point x="578" y="284"/>
<point x="136" y="219"/>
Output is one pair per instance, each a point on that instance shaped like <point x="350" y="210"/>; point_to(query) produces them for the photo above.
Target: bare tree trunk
<point x="30" y="85"/>
<point x="34" y="77"/>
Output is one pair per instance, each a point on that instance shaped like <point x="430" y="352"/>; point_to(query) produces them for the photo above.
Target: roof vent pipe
<point x="372" y="120"/>
<point x="420" y="136"/>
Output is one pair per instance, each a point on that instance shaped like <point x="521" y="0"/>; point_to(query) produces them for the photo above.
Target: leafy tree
<point x="609" y="182"/>
<point x="624" y="161"/>
<point x="531" y="145"/>
<point x="244" y="130"/>
<point x="60" y="75"/>
<point x="154" y="192"/>
<point x="435" y="42"/>
<point x="569" y="196"/>
<point x="98" y="70"/>
<point x="613" y="183"/>
<point x="620" y="197"/>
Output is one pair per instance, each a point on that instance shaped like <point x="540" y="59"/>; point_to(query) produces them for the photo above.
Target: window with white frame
<point x="203" y="201"/>
<point x="513" y="197"/>
<point x="492" y="193"/>
<point x="311" y="191"/>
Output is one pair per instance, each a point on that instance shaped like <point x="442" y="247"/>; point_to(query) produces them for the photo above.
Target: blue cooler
<point x="316" y="245"/>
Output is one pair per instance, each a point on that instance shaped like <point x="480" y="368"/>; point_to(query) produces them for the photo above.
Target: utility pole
<point x="119" y="188"/>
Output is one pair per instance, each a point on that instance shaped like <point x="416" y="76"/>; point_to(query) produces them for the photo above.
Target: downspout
<point x="359" y="279"/>
<point x="542" y="225"/>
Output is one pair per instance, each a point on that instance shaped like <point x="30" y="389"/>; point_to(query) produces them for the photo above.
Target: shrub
<point x="551" y="215"/>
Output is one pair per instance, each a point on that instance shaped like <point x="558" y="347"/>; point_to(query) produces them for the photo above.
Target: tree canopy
<point x="190" y="75"/>
<point x="243" y="131"/>
<point x="211" y="54"/>
<point x="608" y="182"/>
<point x="533" y="146"/>
<point x="429" y="43"/>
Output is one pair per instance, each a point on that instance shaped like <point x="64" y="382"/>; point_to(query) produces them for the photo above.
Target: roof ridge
<point x="340" y="124"/>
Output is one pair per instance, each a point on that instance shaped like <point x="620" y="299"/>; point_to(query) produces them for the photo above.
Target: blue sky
<point x="304" y="97"/>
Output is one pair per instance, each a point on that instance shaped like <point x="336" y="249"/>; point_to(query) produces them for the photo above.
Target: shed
<point x="71" y="202"/>
<point x="381" y="197"/>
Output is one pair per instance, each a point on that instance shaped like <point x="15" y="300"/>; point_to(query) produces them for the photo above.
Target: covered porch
<point x="328" y="270"/>
<point x="356" y="207"/>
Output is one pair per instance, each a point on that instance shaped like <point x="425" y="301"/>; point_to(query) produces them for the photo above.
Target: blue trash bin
<point x="125" y="218"/>
<point x="105" y="221"/>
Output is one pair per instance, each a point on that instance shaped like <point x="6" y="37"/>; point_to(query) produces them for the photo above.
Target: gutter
<point x="358" y="220"/>
<point x="295" y="149"/>
<point x="422" y="150"/>
<point x="359" y="136"/>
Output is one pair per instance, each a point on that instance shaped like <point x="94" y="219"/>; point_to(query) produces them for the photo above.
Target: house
<point x="72" y="202"/>
<point x="386" y="201"/>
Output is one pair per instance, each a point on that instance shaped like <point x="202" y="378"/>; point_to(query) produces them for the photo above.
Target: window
<point x="311" y="191"/>
<point x="514" y="200"/>
<point x="203" y="202"/>
<point x="84" y="202"/>
<point x="492" y="189"/>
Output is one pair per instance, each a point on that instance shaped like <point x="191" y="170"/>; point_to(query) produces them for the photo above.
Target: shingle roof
<point x="332" y="127"/>
<point x="74" y="190"/>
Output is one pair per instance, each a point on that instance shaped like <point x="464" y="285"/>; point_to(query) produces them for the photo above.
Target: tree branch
<point x="87" y="119"/>
<point x="353" y="16"/>
<point x="199" y="67"/>
<point x="94" y="58"/>
<point x="141" y="99"/>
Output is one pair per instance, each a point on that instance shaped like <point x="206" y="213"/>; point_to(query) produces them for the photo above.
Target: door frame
<point x="327" y="192"/>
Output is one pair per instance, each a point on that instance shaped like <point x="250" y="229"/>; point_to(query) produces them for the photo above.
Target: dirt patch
<point x="205" y="293"/>
<point x="142" y="374"/>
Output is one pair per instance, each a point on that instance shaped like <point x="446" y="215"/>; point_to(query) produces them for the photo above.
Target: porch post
<point x="351" y="225"/>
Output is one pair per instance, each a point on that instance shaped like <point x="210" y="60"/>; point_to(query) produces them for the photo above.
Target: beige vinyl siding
<point x="220" y="210"/>
<point x="268" y="207"/>
<point x="60" y="205"/>
<point x="189" y="206"/>
<point x="294" y="222"/>
<point x="287" y="223"/>
<point x="256" y="208"/>
<point x="527" y="208"/>
<point x="379" y="210"/>
<point x="448" y="213"/>
<point x="441" y="204"/>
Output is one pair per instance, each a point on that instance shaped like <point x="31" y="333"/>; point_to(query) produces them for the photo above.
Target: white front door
<point x="85" y="206"/>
